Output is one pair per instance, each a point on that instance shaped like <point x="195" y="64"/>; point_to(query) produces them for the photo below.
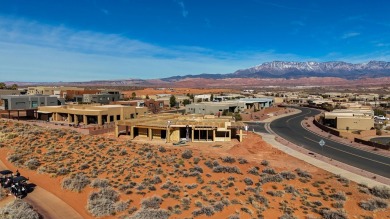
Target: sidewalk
<point x="330" y="165"/>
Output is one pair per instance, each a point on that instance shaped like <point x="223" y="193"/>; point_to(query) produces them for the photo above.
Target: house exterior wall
<point x="24" y="102"/>
<point x="100" y="98"/>
<point x="10" y="92"/>
<point x="79" y="113"/>
<point x="354" y="123"/>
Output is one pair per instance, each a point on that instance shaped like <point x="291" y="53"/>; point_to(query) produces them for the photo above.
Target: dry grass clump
<point x="100" y="183"/>
<point x="329" y="214"/>
<point x="103" y="203"/>
<point x="76" y="182"/>
<point x="32" y="164"/>
<point x="373" y="204"/>
<point x="380" y="192"/>
<point x="187" y="154"/>
<point x="303" y="174"/>
<point x="150" y="209"/>
<point x="18" y="209"/>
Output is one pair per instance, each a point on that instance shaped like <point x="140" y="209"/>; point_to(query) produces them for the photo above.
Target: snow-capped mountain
<point x="277" y="69"/>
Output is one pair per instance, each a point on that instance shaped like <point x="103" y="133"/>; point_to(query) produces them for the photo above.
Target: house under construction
<point x="176" y="127"/>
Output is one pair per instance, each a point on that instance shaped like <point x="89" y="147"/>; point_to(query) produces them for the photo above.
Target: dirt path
<point x="47" y="204"/>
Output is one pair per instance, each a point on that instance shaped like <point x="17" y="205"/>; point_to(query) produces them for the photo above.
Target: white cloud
<point x="349" y="35"/>
<point x="184" y="12"/>
<point x="31" y="51"/>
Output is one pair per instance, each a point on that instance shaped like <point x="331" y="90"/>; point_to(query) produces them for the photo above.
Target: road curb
<point x="270" y="139"/>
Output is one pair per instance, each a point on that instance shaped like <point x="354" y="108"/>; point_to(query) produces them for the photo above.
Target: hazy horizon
<point x="94" y="40"/>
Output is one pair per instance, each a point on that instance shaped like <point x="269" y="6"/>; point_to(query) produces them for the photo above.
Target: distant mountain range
<point x="293" y="70"/>
<point x="269" y="73"/>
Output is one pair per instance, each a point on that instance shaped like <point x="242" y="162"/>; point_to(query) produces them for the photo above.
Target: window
<point x="34" y="104"/>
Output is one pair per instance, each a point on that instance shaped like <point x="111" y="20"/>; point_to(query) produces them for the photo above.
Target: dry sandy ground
<point x="56" y="149"/>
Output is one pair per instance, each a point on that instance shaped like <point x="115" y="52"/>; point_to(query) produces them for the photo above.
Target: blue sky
<point x="80" y="40"/>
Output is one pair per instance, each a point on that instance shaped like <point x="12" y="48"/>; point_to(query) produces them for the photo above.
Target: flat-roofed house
<point x="89" y="114"/>
<point x="349" y="119"/>
<point x="175" y="127"/>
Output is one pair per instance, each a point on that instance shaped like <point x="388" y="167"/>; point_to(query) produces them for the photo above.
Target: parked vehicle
<point x="381" y="117"/>
<point x="19" y="187"/>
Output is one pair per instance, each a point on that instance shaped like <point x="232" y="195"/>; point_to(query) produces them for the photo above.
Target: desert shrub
<point x="264" y="162"/>
<point x="329" y="214"/>
<point x="275" y="193"/>
<point x="151" y="209"/>
<point x="253" y="171"/>
<point x="231" y="178"/>
<point x="101" y="207"/>
<point x="287" y="216"/>
<point x="148" y="213"/>
<point x="100" y="183"/>
<point x="196" y="160"/>
<point x="269" y="171"/>
<point x="187" y="154"/>
<point x="226" y="169"/>
<point x="290" y="189"/>
<point x="343" y="180"/>
<point x="373" y="204"/>
<point x="228" y="159"/>
<point x="75" y="182"/>
<point x="105" y="193"/>
<point x="191" y="186"/>
<point x="248" y="181"/>
<point x="63" y="171"/>
<point x="156" y="180"/>
<point x="32" y="164"/>
<point x="102" y="203"/>
<point x="219" y="206"/>
<point x="215" y="163"/>
<point x="380" y="191"/>
<point x="242" y="160"/>
<point x="339" y="196"/>
<point x="153" y="202"/>
<point x="84" y="166"/>
<point x="186" y="202"/>
<point x="162" y="149"/>
<point x="234" y="216"/>
<point x="338" y="204"/>
<point x="18" y="209"/>
<point x="15" y="158"/>
<point x="132" y="210"/>
<point x="287" y="175"/>
<point x="317" y="203"/>
<point x="121" y="206"/>
<point x="303" y="173"/>
<point x="122" y="152"/>
<point x="196" y="169"/>
<point x="209" y="164"/>
<point x="207" y="210"/>
<point x="271" y="178"/>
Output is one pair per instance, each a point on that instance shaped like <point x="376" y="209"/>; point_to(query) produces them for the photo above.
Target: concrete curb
<point x="270" y="139"/>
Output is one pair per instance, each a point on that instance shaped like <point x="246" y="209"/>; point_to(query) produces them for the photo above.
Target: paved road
<point x="290" y="129"/>
<point x="257" y="127"/>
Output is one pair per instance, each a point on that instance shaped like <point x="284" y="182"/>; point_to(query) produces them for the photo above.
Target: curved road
<point x="290" y="128"/>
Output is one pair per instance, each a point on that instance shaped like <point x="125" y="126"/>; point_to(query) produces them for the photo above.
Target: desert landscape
<point x="99" y="176"/>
